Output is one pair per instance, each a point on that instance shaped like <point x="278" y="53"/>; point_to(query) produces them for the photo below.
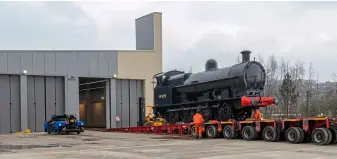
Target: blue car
<point x="63" y="124"/>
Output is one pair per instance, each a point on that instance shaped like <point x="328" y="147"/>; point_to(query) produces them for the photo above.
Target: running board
<point x="193" y="108"/>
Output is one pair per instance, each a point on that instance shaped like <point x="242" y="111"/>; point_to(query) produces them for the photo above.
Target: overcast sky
<point x="192" y="31"/>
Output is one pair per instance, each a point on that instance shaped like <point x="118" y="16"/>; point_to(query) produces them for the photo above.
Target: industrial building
<point x="104" y="88"/>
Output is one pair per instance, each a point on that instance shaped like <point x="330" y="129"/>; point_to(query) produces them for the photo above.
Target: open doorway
<point x="92" y="94"/>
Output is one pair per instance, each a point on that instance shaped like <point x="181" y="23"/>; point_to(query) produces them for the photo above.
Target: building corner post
<point x="72" y="101"/>
<point x="23" y="102"/>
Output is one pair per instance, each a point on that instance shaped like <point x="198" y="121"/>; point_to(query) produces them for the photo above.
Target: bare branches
<point x="306" y="80"/>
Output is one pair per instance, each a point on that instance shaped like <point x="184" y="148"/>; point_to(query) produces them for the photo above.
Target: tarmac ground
<point x="96" y="145"/>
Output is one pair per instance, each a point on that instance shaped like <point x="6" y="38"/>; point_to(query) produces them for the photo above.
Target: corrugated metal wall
<point x="127" y="98"/>
<point x="10" y="120"/>
<point x="60" y="63"/>
<point x="45" y="96"/>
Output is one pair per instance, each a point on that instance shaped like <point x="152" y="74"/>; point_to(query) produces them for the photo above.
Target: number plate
<point x="72" y="121"/>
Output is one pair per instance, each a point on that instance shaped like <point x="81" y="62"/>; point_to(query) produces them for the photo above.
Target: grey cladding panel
<point x="83" y="64"/>
<point x="59" y="95"/>
<point x="4" y="104"/>
<point x="45" y="98"/>
<point x="125" y="104"/>
<point x="97" y="64"/>
<point x="140" y="92"/>
<point x="133" y="103"/>
<point x="15" y="103"/>
<point x="27" y="61"/>
<point x="119" y="102"/>
<point x="3" y="62"/>
<point x="14" y="63"/>
<point x="10" y="120"/>
<point x="145" y="33"/>
<point x="94" y="64"/>
<point x="107" y="104"/>
<point x="50" y="97"/>
<point x="60" y="63"/>
<point x="112" y="63"/>
<point x="50" y="62"/>
<point x="38" y="63"/>
<point x="103" y="65"/>
<point x="40" y="102"/>
<point x="72" y="96"/>
<point x="88" y="64"/>
<point x="140" y="88"/>
<point x="113" y="103"/>
<point x="30" y="102"/>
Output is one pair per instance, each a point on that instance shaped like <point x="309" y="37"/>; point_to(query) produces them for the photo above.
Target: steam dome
<point x="211" y="64"/>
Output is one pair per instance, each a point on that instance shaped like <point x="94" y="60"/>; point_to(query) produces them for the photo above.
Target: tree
<point x="271" y="81"/>
<point x="288" y="93"/>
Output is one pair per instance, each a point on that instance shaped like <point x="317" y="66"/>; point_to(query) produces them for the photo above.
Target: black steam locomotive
<point x="221" y="93"/>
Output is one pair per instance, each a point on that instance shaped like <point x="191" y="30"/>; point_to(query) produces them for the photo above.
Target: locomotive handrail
<point x="156" y="75"/>
<point x="231" y="77"/>
<point x="216" y="100"/>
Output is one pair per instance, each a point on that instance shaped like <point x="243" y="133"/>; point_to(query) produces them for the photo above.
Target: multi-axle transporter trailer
<point x="321" y="131"/>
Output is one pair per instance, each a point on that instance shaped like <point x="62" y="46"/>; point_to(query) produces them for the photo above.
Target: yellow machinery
<point x="27" y="131"/>
<point x="154" y="121"/>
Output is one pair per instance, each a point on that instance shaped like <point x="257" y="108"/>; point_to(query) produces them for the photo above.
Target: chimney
<point x="245" y="56"/>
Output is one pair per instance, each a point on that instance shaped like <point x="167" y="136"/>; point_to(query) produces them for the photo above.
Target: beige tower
<point x="144" y="62"/>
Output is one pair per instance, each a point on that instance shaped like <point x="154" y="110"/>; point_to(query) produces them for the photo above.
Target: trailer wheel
<point x="334" y="135"/>
<point x="249" y="133"/>
<point x="302" y="134"/>
<point x="293" y="135"/>
<point x="211" y="131"/>
<point x="330" y="135"/>
<point x="270" y="134"/>
<point x="320" y="136"/>
<point x="228" y="132"/>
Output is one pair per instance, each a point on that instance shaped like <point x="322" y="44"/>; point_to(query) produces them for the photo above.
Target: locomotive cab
<point x="164" y="82"/>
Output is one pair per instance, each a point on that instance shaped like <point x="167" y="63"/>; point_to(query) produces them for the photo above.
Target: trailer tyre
<point x="228" y="132"/>
<point x="293" y="135"/>
<point x="249" y="133"/>
<point x="330" y="135"/>
<point x="302" y="134"/>
<point x="211" y="131"/>
<point x="270" y="134"/>
<point x="334" y="135"/>
<point x="320" y="136"/>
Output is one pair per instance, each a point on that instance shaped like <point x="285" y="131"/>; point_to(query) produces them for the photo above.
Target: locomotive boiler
<point x="221" y="93"/>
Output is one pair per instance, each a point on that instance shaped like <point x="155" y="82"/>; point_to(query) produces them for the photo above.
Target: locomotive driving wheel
<point x="184" y="115"/>
<point x="173" y="117"/>
<point x="224" y="112"/>
<point x="207" y="113"/>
